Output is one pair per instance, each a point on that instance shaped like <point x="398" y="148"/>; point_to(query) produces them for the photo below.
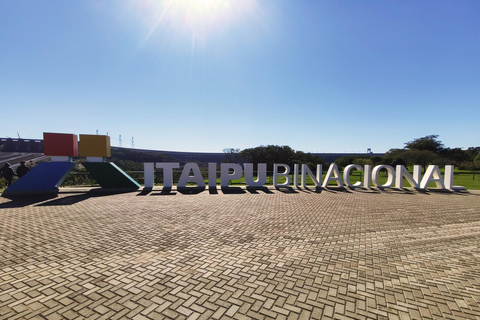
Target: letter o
<point x="390" y="179"/>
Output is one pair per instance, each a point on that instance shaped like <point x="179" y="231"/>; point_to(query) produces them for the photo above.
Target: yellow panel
<point x="94" y="145"/>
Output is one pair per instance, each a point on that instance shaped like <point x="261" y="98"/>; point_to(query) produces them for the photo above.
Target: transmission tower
<point x="133" y="144"/>
<point x="120" y="140"/>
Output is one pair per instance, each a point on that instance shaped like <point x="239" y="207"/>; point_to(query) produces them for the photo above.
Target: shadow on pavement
<point x="145" y="191"/>
<point x="310" y="189"/>
<point x="165" y="192"/>
<point x="254" y="190"/>
<point x="19" y="201"/>
<point x="66" y="201"/>
<point x="233" y="190"/>
<point x="286" y="189"/>
<point x="190" y="190"/>
<point x="78" y="197"/>
<point x="23" y="201"/>
<point x="53" y="199"/>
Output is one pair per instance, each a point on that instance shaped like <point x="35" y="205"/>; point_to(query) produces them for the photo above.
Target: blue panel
<point x="44" y="177"/>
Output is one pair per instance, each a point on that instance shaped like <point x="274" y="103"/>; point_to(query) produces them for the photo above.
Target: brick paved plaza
<point x="263" y="254"/>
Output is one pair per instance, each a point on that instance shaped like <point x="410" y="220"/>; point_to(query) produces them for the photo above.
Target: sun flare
<point x="196" y="19"/>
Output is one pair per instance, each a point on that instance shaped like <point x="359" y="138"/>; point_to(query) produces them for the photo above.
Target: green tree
<point x="422" y="151"/>
<point x="344" y="161"/>
<point x="375" y="160"/>
<point x="269" y="154"/>
<point x="428" y="143"/>
<point x="454" y="155"/>
<point x="307" y="158"/>
<point x="421" y="157"/>
<point x="362" y="161"/>
<point x="232" y="155"/>
<point x="473" y="166"/>
<point x="394" y="157"/>
<point x="272" y="154"/>
<point x="472" y="153"/>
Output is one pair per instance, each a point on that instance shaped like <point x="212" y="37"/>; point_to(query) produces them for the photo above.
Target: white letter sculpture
<point x="148" y="173"/>
<point x="332" y="170"/>
<point x="167" y="172"/>
<point x="225" y="175"/>
<point x="317" y="180"/>
<point x="186" y="177"/>
<point x="367" y="176"/>
<point x="212" y="175"/>
<point x="277" y="174"/>
<point x="402" y="172"/>
<point x="262" y="175"/>
<point x="432" y="175"/>
<point x="346" y="175"/>
<point x="449" y="179"/>
<point x="390" y="172"/>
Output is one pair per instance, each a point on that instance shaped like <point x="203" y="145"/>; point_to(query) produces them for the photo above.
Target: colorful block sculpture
<point x="60" y="144"/>
<point x="110" y="176"/>
<point x="97" y="148"/>
<point x="94" y="146"/>
<point x="44" y="178"/>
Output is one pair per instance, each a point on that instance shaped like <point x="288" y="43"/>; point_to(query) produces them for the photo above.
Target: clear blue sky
<point x="203" y="75"/>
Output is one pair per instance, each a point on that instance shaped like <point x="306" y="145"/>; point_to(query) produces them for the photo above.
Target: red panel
<point x="60" y="144"/>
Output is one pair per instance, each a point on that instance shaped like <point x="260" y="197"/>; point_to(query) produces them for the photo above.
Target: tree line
<point x="423" y="151"/>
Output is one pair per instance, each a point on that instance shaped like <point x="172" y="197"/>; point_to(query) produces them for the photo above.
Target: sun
<point x="202" y="16"/>
<point x="197" y="20"/>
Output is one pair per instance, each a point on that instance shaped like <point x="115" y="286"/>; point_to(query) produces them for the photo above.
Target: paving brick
<point x="397" y="254"/>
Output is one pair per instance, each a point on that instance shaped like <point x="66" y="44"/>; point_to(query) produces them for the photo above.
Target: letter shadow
<point x="166" y="191"/>
<point x="286" y="189"/>
<point x="333" y="189"/>
<point x="145" y="191"/>
<point x="233" y="190"/>
<point x="465" y="193"/>
<point x="435" y="190"/>
<point x="254" y="190"/>
<point x="190" y="190"/>
<point x="404" y="190"/>
<point x="315" y="189"/>
<point x="364" y="190"/>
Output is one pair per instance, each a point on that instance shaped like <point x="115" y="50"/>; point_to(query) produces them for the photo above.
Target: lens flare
<point x="197" y="20"/>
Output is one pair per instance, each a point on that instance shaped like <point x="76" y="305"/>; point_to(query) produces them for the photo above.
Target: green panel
<point x="110" y="176"/>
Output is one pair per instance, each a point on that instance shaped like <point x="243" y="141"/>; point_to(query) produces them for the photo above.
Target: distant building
<point x="21" y="145"/>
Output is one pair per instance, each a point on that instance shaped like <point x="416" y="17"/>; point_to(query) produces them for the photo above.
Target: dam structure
<point x="35" y="146"/>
